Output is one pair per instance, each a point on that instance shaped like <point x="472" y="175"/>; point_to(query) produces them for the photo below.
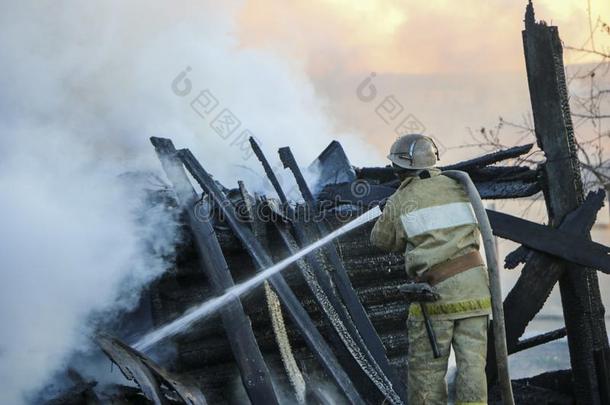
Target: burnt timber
<point x="248" y="357"/>
<point x="563" y="191"/>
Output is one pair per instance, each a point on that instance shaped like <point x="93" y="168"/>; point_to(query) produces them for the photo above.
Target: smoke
<point x="83" y="87"/>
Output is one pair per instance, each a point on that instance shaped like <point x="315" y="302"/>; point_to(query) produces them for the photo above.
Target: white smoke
<point x="83" y="86"/>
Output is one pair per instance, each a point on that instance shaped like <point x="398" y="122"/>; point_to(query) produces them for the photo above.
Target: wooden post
<point x="563" y="191"/>
<point x="253" y="369"/>
<point x="262" y="260"/>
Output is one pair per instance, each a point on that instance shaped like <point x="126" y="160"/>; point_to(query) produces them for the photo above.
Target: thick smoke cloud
<point x="83" y="87"/>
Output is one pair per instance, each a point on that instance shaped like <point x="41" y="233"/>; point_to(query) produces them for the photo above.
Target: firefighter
<point x="431" y="221"/>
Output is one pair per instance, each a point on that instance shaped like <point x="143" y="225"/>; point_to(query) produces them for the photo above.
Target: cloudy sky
<point x="453" y="65"/>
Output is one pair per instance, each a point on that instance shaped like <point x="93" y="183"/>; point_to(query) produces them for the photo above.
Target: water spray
<point x="211" y="306"/>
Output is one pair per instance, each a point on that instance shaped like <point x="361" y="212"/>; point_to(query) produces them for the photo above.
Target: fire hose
<point x="278" y="324"/>
<point x="495" y="287"/>
<point x="281" y="337"/>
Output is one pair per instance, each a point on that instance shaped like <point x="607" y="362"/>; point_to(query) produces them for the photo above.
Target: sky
<point x="407" y="37"/>
<point x="453" y="65"/>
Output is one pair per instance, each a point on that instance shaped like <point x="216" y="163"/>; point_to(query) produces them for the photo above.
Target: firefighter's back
<point x="441" y="227"/>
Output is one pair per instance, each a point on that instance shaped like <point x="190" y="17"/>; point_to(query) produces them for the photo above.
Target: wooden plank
<point x="490" y="158"/>
<point x="255" y="375"/>
<point x="364" y="328"/>
<point x="540" y="274"/>
<point x="135" y="366"/>
<point x="368" y="194"/>
<point x="581" y="300"/>
<point x="539" y="340"/>
<point x="503" y="174"/>
<point x="492" y="190"/>
<point x="553" y="241"/>
<point x="586" y="215"/>
<point x="516" y="257"/>
<point x="363" y="368"/>
<point x="385" y="174"/>
<point x="263" y="260"/>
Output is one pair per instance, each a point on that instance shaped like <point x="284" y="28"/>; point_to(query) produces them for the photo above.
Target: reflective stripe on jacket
<point x="431" y="221"/>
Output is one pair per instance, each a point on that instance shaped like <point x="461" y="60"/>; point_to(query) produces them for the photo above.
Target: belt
<point x="450" y="268"/>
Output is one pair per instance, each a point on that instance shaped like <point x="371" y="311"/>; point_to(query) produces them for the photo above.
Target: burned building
<point x="331" y="328"/>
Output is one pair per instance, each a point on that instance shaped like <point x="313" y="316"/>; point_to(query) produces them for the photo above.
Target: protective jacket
<point x="431" y="221"/>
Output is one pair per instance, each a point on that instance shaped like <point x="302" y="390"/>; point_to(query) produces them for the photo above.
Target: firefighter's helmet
<point x="414" y="151"/>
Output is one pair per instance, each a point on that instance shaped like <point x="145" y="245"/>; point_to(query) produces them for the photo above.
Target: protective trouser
<point x="426" y="378"/>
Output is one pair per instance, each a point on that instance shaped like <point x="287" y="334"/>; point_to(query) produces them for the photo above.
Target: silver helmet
<point x="414" y="151"/>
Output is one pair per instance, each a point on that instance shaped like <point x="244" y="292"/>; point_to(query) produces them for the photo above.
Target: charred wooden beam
<point x="346" y="336"/>
<point x="490" y="174"/>
<point x="346" y="339"/>
<point x="581" y="300"/>
<point x="333" y="166"/>
<point x="553" y="241"/>
<point x="584" y="216"/>
<point x="490" y="158"/>
<point x="361" y="194"/>
<point x="542" y="271"/>
<point x="278" y="324"/>
<point x="491" y="190"/>
<point x="254" y="373"/>
<point x="386" y="174"/>
<point x="148" y="375"/>
<point x="376" y="174"/>
<point x="361" y="320"/>
<point x="553" y="387"/>
<point x="268" y="170"/>
<point x="133" y="369"/>
<point x="516" y="257"/>
<point x="262" y="259"/>
<point x="539" y="340"/>
<point x="364" y="194"/>
<point x="503" y="174"/>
